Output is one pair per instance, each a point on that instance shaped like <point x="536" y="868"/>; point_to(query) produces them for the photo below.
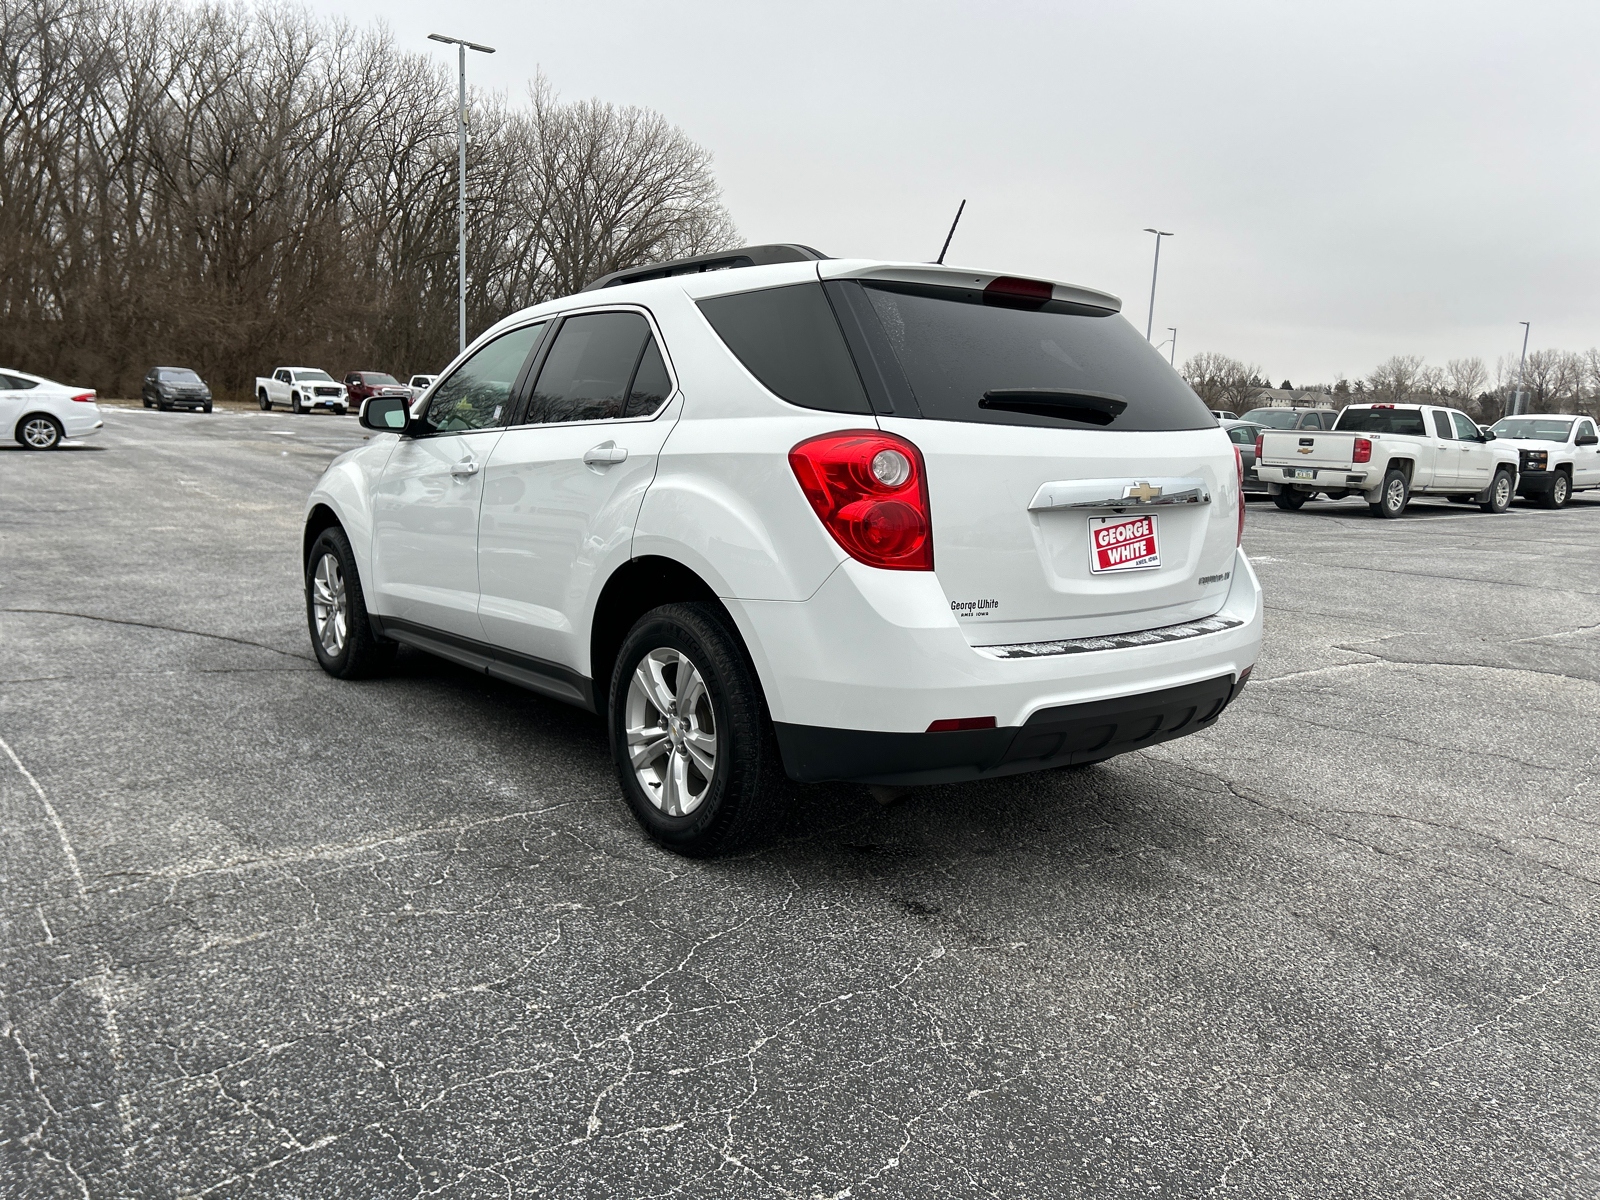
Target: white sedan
<point x="39" y="412"/>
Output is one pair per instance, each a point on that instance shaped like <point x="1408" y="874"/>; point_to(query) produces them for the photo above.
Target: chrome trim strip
<point x="1114" y="494"/>
<point x="1115" y="641"/>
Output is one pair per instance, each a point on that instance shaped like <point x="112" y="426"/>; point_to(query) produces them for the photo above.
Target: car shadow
<point x="72" y="447"/>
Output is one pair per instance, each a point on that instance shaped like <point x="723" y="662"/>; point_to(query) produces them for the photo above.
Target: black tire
<point x="294" y="402"/>
<point x="39" y="431"/>
<point x="261" y="399"/>
<point x="735" y="803"/>
<point x="207" y="408"/>
<point x="1394" y="496"/>
<point x="146" y="400"/>
<point x="361" y="653"/>
<point x="1500" y="493"/>
<point x="1290" y="500"/>
<point x="1557" y="494"/>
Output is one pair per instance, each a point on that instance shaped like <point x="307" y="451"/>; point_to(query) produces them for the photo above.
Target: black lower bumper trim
<point x="1052" y="737"/>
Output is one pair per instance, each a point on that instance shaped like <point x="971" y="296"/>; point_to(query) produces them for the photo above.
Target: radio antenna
<point x="940" y="260"/>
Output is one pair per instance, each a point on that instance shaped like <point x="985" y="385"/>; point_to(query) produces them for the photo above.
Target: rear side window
<point x="1245" y="435"/>
<point x="788" y="339"/>
<point x="590" y="367"/>
<point x="1382" y="420"/>
<point x="1441" y="426"/>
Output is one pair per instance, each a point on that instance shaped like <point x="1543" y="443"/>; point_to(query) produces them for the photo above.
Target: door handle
<point x="604" y="455"/>
<point x="462" y="469"/>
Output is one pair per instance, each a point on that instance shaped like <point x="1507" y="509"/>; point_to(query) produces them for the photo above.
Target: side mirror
<point x="1489" y="435"/>
<point x="386" y="414"/>
<point x="1587" y="439"/>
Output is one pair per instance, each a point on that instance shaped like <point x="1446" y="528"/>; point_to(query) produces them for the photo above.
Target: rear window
<point x="1273" y="418"/>
<point x="788" y="339"/>
<point x="1382" y="420"/>
<point x="962" y="355"/>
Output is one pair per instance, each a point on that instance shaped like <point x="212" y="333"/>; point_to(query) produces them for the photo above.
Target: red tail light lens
<point x="1363" y="451"/>
<point x="1259" y="438"/>
<point x="871" y="491"/>
<point x="84" y="397"/>
<point x="1021" y="289"/>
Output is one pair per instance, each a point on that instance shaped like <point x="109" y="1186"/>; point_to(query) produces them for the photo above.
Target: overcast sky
<point x="1345" y="181"/>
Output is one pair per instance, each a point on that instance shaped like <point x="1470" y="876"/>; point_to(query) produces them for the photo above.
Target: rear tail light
<point x="1362" y="452"/>
<point x="1238" y="462"/>
<point x="871" y="491"/>
<point x="84" y="397"/>
<point x="1260" y="437"/>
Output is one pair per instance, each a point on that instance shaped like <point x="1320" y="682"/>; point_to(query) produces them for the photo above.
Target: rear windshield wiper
<point x="1069" y="404"/>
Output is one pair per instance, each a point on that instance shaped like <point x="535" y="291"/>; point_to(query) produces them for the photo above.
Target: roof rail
<point x="723" y="260"/>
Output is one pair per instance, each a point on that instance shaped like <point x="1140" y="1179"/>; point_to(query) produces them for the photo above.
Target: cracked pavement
<point x="265" y="933"/>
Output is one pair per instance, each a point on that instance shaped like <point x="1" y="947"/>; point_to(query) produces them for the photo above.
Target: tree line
<point x="232" y="188"/>
<point x="1553" y="380"/>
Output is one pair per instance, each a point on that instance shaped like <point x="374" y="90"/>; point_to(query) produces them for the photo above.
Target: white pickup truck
<point x="1560" y="454"/>
<point x="1389" y="453"/>
<point x="301" y="388"/>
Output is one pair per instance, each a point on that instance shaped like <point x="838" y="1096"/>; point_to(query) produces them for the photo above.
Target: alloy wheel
<point x="671" y="731"/>
<point x="1559" y="489"/>
<point x="329" y="605"/>
<point x="1395" y="495"/>
<point x="40" y="433"/>
<point x="1502" y="490"/>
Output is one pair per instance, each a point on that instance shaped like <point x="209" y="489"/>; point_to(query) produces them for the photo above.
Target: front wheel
<point x="336" y="611"/>
<point x="294" y="403"/>
<point x="261" y="399"/>
<point x="40" y="432"/>
<point x="1558" y="493"/>
<point x="1395" y="496"/>
<point x="1499" y="494"/>
<point x="1290" y="500"/>
<point x="690" y="735"/>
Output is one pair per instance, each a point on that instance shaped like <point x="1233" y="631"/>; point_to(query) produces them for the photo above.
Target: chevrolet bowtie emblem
<point x="1141" y="492"/>
<point x="1304" y="449"/>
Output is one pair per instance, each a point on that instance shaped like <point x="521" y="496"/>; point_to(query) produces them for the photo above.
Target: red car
<point x="363" y="385"/>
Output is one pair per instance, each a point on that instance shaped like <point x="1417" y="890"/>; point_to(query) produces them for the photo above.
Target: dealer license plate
<point x="1304" y="473"/>
<point x="1122" y="544"/>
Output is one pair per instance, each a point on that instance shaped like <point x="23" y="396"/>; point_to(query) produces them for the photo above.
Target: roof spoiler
<point x="723" y="260"/>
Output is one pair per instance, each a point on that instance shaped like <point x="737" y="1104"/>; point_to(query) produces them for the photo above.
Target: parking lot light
<point x="461" y="177"/>
<point x="1150" y="325"/>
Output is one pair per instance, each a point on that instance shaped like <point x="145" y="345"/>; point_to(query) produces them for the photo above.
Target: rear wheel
<point x="1394" y="497"/>
<point x="690" y="734"/>
<point x="1499" y="494"/>
<point x="1558" y="493"/>
<point x="1290" y="500"/>
<point x="336" y="611"/>
<point x="40" y="431"/>
<point x="261" y="399"/>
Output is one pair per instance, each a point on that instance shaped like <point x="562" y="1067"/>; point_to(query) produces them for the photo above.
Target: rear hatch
<point x="1307" y="448"/>
<point x="1078" y="486"/>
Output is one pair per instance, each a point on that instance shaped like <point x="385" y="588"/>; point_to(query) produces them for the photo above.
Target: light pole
<point x="1516" y="402"/>
<point x="461" y="176"/>
<point x="1150" y="325"/>
<point x="1173" y="330"/>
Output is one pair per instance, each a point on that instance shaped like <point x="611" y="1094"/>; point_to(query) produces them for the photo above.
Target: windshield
<point x="378" y="377"/>
<point x="1540" y="429"/>
<point x="1382" y="420"/>
<point x="178" y="375"/>
<point x="1273" y="418"/>
<point x="314" y="376"/>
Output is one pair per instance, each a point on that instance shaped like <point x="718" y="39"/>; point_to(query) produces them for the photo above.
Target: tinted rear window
<point x="1272" y="418"/>
<point x="949" y="346"/>
<point x="788" y="339"/>
<point x="1382" y="420"/>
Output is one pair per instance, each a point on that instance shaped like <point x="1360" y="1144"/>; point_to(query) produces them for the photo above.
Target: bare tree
<point x="1222" y="382"/>
<point x="229" y="188"/>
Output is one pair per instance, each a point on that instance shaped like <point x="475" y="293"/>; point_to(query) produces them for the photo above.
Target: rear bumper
<point x="1052" y="737"/>
<point x="82" y="425"/>
<point x="855" y="675"/>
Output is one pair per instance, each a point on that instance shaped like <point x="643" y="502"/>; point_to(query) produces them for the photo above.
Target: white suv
<point x="768" y="511"/>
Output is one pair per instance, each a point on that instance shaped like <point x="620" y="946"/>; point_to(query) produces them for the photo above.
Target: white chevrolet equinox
<point x="767" y="511"/>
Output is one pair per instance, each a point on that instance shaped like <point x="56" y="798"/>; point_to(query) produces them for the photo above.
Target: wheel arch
<point x="632" y="590"/>
<point x="319" y="518"/>
<point x="61" y="426"/>
<point x="1404" y="465"/>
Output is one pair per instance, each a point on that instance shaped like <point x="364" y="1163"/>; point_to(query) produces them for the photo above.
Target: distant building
<point x="1294" y="398"/>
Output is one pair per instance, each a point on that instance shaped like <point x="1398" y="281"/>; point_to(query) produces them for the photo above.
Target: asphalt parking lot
<point x="269" y="934"/>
